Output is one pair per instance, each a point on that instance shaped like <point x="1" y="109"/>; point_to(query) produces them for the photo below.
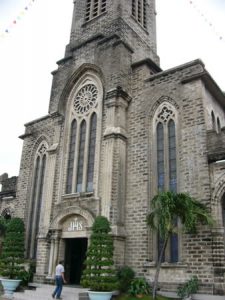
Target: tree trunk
<point x="155" y="285"/>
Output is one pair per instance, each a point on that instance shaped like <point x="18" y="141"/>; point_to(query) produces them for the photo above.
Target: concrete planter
<point x="93" y="295"/>
<point x="9" y="286"/>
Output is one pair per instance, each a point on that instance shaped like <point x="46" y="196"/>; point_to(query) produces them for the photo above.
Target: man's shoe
<point x="53" y="296"/>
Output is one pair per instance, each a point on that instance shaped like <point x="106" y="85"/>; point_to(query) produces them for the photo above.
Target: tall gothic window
<point x="160" y="156"/>
<point x="80" y="167"/>
<point x="139" y="11"/>
<point x="36" y="200"/>
<point x="73" y="133"/>
<point x="83" y="135"/>
<point x="213" y="121"/>
<point x="91" y="154"/>
<point x="94" y="8"/>
<point x="167" y="167"/>
<point x="218" y="125"/>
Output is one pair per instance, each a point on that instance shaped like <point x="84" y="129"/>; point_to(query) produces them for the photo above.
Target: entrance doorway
<point x="75" y="254"/>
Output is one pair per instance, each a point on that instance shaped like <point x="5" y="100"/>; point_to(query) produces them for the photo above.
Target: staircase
<point x="44" y="292"/>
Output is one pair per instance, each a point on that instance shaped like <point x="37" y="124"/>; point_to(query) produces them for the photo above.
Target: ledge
<point x="165" y="265"/>
<point x="153" y="66"/>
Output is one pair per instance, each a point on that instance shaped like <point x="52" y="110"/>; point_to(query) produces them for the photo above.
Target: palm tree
<point x="166" y="208"/>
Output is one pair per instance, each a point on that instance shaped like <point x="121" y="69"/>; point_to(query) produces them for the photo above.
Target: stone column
<point x="114" y="165"/>
<point x="53" y="254"/>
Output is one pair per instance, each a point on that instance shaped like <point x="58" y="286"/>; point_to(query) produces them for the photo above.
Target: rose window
<point x="85" y="99"/>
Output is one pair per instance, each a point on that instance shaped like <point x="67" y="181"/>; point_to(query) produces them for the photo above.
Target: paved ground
<point x="44" y="292"/>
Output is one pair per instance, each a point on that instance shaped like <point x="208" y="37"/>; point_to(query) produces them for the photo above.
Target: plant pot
<point x="93" y="295"/>
<point x="9" y="286"/>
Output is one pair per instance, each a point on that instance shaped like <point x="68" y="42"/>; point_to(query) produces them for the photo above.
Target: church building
<point x="118" y="130"/>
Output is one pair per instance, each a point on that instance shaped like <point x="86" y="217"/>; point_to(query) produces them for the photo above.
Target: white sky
<point x="28" y="55"/>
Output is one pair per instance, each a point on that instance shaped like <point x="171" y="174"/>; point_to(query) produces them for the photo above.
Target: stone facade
<point x="111" y="73"/>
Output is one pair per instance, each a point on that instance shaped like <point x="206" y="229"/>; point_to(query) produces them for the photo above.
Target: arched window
<point x="70" y="166"/>
<point x="85" y="109"/>
<point x="160" y="156"/>
<point x="218" y="125"/>
<point x="94" y="8"/>
<point x="139" y="11"/>
<point x="167" y="166"/>
<point x="80" y="164"/>
<point x="36" y="201"/>
<point x="172" y="156"/>
<point x="213" y="121"/>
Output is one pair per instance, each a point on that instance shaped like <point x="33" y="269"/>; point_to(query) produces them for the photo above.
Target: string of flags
<point x="206" y="20"/>
<point x="4" y="32"/>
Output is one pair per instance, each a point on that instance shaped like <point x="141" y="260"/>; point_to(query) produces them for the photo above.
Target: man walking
<point x="59" y="279"/>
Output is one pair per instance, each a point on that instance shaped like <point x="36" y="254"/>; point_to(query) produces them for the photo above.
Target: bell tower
<point x="132" y="21"/>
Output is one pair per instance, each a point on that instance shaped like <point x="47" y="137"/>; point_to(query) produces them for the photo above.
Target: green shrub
<point x="190" y="287"/>
<point x="100" y="274"/>
<point x="12" y="256"/>
<point x="27" y="274"/>
<point x="139" y="286"/>
<point x="125" y="275"/>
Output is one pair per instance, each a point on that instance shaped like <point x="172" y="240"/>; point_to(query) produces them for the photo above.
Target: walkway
<point x="44" y="292"/>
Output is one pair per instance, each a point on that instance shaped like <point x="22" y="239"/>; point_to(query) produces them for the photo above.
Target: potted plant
<point x="100" y="275"/>
<point x="139" y="287"/>
<point x="190" y="287"/>
<point x="12" y="256"/>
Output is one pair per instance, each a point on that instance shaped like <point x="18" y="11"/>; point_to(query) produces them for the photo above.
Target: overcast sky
<point x="186" y="30"/>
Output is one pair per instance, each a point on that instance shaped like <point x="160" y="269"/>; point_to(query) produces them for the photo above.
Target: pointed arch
<point x="164" y="122"/>
<point x="82" y="152"/>
<point x="84" y="72"/>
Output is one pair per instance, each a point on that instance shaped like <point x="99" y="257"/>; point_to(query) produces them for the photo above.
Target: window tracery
<point x="85" y="99"/>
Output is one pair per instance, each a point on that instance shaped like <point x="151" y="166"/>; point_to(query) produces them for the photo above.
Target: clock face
<point x="85" y="99"/>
